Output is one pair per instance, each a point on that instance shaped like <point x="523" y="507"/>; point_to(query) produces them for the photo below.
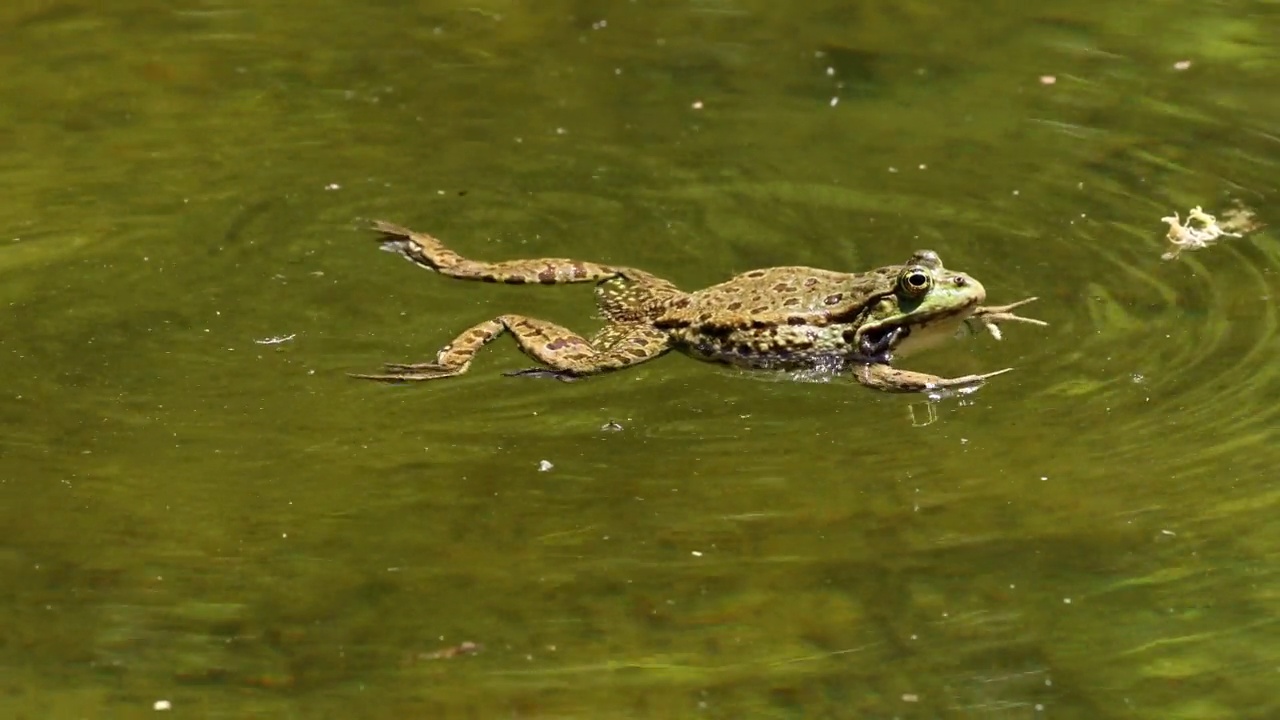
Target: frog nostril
<point x="960" y="281"/>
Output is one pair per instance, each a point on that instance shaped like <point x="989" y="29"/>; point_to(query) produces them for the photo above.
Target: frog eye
<point x="915" y="281"/>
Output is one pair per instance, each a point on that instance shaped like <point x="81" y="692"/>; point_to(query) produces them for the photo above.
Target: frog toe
<point x="414" y="367"/>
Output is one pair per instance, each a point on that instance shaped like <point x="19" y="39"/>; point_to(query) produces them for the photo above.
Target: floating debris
<point x="544" y="465"/>
<point x="1202" y="229"/>
<point x="278" y="339"/>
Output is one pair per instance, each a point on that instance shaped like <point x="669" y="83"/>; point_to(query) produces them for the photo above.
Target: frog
<point x="796" y="319"/>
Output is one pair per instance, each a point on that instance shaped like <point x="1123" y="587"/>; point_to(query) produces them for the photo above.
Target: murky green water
<point x="238" y="529"/>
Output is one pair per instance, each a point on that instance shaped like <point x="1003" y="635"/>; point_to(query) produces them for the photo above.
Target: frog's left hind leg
<point x="429" y="252"/>
<point x="566" y="354"/>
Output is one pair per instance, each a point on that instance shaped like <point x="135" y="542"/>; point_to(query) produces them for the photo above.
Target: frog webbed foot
<point x="542" y="372"/>
<point x="991" y="317"/>
<point x="411" y="372"/>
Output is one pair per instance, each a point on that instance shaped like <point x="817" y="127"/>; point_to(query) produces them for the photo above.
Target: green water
<point x="237" y="528"/>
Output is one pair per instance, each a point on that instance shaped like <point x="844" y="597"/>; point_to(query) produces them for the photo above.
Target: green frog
<point x="798" y="319"/>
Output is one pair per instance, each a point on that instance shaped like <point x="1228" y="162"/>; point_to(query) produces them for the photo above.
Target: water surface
<point x="196" y="515"/>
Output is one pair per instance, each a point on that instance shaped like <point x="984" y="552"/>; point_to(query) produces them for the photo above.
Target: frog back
<point x="780" y="296"/>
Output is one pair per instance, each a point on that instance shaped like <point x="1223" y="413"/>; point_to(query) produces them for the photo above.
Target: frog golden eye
<point x="915" y="281"/>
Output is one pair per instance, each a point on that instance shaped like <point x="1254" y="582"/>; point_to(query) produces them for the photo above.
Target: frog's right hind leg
<point x="428" y="252"/>
<point x="565" y="354"/>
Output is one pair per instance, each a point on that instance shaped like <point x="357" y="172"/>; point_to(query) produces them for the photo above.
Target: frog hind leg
<point x="567" y="355"/>
<point x="890" y="379"/>
<point x="634" y="296"/>
<point x="615" y="347"/>
<point x="426" y="251"/>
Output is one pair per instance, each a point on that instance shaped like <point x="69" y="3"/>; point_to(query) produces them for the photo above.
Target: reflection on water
<point x="194" y="516"/>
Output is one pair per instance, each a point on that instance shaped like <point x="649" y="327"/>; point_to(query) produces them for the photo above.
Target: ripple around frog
<point x="1201" y="333"/>
<point x="1127" y="296"/>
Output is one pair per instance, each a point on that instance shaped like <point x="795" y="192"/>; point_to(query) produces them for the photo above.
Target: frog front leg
<point x="890" y="379"/>
<point x="566" y="354"/>
<point x="991" y="317"/>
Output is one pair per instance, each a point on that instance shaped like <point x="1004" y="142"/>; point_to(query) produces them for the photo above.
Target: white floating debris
<point x="1202" y="229"/>
<point x="544" y="465"/>
<point x="276" y="340"/>
<point x="162" y="705"/>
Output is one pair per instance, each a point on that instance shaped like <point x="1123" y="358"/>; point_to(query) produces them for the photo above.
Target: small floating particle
<point x="276" y="340"/>
<point x="544" y="465"/>
<point x="162" y="705"/>
<point x="463" y="648"/>
<point x="1182" y="65"/>
<point x="1048" y="79"/>
<point x="611" y="426"/>
<point x="697" y="105"/>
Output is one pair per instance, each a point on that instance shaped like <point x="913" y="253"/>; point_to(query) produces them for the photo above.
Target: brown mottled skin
<point x="782" y="318"/>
